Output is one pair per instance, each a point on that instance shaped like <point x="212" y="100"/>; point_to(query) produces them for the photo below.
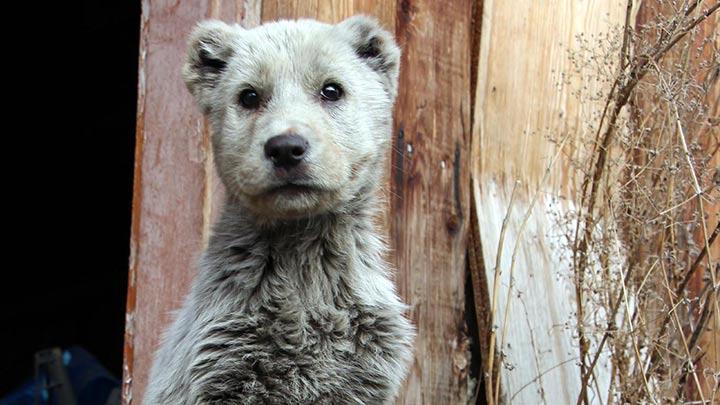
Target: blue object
<point x="91" y="382"/>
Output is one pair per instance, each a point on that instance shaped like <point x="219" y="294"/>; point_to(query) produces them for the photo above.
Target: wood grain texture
<point x="176" y="192"/>
<point x="524" y="106"/>
<point x="331" y="11"/>
<point x="429" y="192"/>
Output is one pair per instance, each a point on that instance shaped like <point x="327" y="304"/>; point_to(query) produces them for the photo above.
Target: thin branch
<point x="691" y="365"/>
<point x="520" y="232"/>
<point x="496" y="293"/>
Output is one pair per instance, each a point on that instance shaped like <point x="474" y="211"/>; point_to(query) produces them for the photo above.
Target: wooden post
<point x="429" y="192"/>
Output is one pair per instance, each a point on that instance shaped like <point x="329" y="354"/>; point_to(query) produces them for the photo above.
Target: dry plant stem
<point x="704" y="316"/>
<point x="579" y="260"/>
<point x="690" y="364"/>
<point x="539" y="376"/>
<point x="528" y="212"/>
<point x="647" y="275"/>
<point x="621" y="97"/>
<point x="635" y="346"/>
<point x="608" y="333"/>
<point x="680" y="204"/>
<point x="624" y="54"/>
<point x="496" y="292"/>
<point x="703" y="254"/>
<point x="638" y="69"/>
<point x="683" y="31"/>
<point x="699" y="328"/>
<point x="701" y="209"/>
<point x="678" y="292"/>
<point x="711" y="299"/>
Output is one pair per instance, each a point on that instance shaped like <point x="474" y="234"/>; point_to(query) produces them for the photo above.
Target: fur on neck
<point x="324" y="261"/>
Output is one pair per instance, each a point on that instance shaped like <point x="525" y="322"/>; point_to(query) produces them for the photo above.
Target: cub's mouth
<point x="294" y="189"/>
<point x="289" y="200"/>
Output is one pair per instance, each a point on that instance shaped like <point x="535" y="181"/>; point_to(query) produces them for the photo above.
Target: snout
<point x="297" y="170"/>
<point x="286" y="151"/>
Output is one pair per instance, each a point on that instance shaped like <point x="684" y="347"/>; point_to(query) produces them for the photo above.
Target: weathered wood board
<point x="177" y="194"/>
<point x="429" y="192"/>
<point x="524" y="107"/>
<point x="176" y="191"/>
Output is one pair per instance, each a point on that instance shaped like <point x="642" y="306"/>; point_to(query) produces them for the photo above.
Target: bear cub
<point x="293" y="302"/>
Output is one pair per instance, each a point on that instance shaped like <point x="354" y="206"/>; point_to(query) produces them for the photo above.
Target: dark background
<point x="74" y="279"/>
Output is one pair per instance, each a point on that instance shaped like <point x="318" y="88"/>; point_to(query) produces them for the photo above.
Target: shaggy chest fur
<point x="301" y="316"/>
<point x="289" y="354"/>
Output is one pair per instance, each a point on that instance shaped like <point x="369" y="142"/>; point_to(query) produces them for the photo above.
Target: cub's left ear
<point x="376" y="47"/>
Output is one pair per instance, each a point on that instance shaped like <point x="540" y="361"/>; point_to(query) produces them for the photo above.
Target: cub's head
<point x="300" y="110"/>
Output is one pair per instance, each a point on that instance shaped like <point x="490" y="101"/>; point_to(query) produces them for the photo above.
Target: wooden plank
<point x="331" y="11"/>
<point x="175" y="192"/>
<point x="521" y="112"/>
<point x="430" y="196"/>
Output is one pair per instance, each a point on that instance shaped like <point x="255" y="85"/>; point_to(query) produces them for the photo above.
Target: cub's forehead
<point x="303" y="47"/>
<point x="356" y="54"/>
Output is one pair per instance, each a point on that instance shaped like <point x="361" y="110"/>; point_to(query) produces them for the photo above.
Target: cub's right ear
<point x="375" y="47"/>
<point x="210" y="48"/>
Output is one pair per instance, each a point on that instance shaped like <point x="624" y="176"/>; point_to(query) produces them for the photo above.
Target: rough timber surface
<point x="430" y="193"/>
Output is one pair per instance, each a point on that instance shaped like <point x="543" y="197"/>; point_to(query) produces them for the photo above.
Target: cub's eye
<point x="331" y="92"/>
<point x="249" y="99"/>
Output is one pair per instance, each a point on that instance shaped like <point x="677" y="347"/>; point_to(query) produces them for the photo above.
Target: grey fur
<point x="293" y="303"/>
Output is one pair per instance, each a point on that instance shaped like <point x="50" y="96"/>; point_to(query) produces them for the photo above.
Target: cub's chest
<point x="290" y="354"/>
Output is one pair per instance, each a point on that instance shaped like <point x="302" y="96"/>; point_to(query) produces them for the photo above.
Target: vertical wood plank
<point x="521" y="111"/>
<point x="331" y="11"/>
<point x="429" y="198"/>
<point x="176" y="192"/>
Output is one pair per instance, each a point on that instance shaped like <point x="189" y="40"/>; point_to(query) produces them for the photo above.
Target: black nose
<point x="286" y="150"/>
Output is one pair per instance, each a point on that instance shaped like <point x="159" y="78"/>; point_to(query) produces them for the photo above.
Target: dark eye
<point x="249" y="99"/>
<point x="331" y="92"/>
